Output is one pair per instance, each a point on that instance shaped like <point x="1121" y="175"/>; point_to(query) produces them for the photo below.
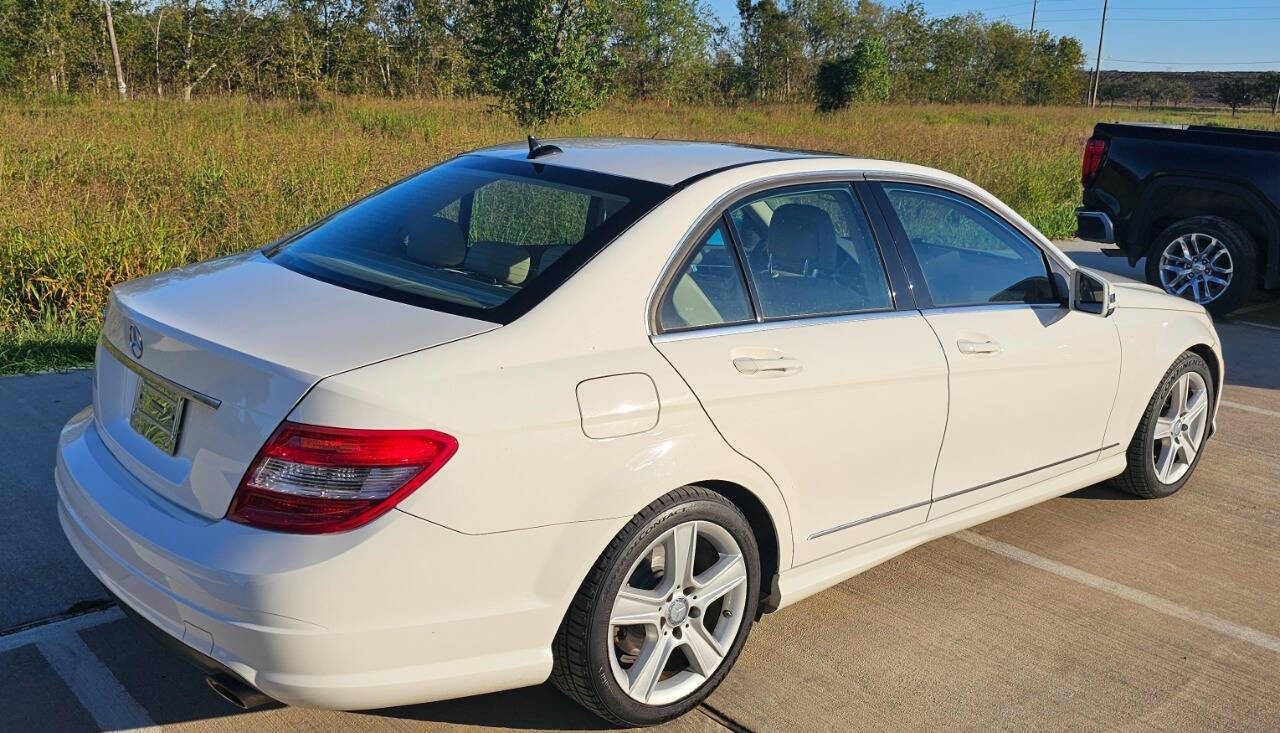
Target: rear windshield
<point x="476" y="236"/>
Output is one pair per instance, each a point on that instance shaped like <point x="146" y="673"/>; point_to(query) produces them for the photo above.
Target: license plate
<point x="157" y="414"/>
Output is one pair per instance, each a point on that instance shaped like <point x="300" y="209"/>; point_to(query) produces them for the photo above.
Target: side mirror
<point x="1091" y="294"/>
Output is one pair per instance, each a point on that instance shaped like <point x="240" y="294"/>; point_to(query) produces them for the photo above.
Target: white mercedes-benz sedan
<point x="585" y="411"/>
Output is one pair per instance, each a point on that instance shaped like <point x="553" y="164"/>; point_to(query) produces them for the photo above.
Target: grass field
<point x="95" y="193"/>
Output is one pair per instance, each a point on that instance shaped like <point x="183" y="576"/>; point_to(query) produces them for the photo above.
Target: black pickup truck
<point x="1201" y="204"/>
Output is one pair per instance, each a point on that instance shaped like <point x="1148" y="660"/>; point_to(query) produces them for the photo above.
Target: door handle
<point x="969" y="346"/>
<point x="773" y="367"/>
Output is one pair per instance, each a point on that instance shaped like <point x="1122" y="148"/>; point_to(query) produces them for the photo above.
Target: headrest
<point x="507" y="263"/>
<point x="550" y="255"/>
<point x="802" y="240"/>
<point x="436" y="241"/>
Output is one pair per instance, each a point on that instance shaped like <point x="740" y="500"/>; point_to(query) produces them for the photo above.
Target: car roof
<point x="669" y="162"/>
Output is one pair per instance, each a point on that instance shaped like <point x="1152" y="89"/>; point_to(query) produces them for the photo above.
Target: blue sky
<point x="1160" y="35"/>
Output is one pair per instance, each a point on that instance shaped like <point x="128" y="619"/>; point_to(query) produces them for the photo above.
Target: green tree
<point x="862" y="76"/>
<point x="543" y="59"/>
<point x="1153" y="89"/>
<point x="772" y="47"/>
<point x="663" y="48"/>
<point x="1179" y="92"/>
<point x="830" y="27"/>
<point x="870" y="71"/>
<point x="1056" y="77"/>
<point x="908" y="39"/>
<point x="1112" y="88"/>
<point x="1269" y="88"/>
<point x="1235" y="93"/>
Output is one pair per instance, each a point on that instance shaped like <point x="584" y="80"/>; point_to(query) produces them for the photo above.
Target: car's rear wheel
<point x="1207" y="259"/>
<point x="1169" y="441"/>
<point x="664" y="612"/>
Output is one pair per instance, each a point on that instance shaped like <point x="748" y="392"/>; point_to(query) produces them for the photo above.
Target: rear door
<point x="1032" y="381"/>
<point x="808" y="365"/>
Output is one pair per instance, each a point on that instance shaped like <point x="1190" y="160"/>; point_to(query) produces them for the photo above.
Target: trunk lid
<point x="242" y="340"/>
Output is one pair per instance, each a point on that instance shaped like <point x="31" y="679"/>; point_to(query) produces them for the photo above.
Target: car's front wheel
<point x="1169" y="441"/>
<point x="664" y="612"/>
<point x="1208" y="259"/>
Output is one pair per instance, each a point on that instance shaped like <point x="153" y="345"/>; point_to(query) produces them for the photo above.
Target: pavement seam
<point x="721" y="719"/>
<point x="1155" y="603"/>
<point x="75" y="624"/>
<point x="80" y="608"/>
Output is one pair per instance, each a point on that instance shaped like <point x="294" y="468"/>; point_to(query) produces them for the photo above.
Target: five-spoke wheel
<point x="661" y="617"/>
<point x="678" y="612"/>
<point x="1170" y="438"/>
<point x="1180" y="429"/>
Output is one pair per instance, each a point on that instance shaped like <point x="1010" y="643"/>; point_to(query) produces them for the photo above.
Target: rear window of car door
<point x="810" y="252"/>
<point x="967" y="254"/>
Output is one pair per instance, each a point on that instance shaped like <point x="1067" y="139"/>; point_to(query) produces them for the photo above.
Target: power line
<point x="1189" y="7"/>
<point x="1167" y="20"/>
<point x="1192" y="63"/>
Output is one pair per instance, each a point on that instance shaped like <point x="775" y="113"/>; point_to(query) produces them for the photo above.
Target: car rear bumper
<point x="397" y="612"/>
<point x="1095" y="226"/>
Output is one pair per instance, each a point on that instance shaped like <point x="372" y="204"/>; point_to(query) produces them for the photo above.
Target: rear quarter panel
<point x="510" y="397"/>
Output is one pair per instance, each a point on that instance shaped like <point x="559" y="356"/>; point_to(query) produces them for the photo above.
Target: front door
<point x="807" y="367"/>
<point x="1032" y="382"/>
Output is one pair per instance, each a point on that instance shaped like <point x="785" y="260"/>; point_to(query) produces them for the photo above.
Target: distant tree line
<point x="542" y="58"/>
<point x="1231" y="89"/>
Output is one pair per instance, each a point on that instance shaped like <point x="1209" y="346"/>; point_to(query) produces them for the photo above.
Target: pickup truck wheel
<point x="1208" y="259"/>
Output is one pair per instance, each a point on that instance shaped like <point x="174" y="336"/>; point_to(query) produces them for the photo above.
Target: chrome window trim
<point x="971" y="307"/>
<point x="698" y="332"/>
<point x="716" y="209"/>
<point x="142" y="371"/>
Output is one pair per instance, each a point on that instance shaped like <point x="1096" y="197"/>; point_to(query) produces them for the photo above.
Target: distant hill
<point x="1173" y="88"/>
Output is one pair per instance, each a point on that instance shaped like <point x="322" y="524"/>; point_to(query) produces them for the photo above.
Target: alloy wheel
<point x="1196" y="266"/>
<point x="1180" y="428"/>
<point x="677" y="613"/>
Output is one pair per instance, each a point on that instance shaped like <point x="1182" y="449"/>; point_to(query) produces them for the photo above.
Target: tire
<point x="594" y="658"/>
<point x="1143" y="476"/>
<point x="1205" y="233"/>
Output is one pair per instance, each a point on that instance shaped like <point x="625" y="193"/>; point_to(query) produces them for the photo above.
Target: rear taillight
<point x="1094" y="149"/>
<point x="312" y="479"/>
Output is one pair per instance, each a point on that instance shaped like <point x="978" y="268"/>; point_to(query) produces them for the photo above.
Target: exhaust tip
<point x="236" y="692"/>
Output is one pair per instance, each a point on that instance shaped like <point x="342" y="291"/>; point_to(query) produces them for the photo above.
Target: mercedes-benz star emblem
<point x="135" y="341"/>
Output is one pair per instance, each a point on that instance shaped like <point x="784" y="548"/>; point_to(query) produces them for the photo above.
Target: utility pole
<point x="1031" y="67"/>
<point x="115" y="51"/>
<point x="1097" y="62"/>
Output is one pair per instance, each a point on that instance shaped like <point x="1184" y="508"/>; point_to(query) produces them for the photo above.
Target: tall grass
<point x="95" y="193"/>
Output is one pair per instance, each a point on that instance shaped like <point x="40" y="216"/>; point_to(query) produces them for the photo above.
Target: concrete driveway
<point x="1086" y="612"/>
